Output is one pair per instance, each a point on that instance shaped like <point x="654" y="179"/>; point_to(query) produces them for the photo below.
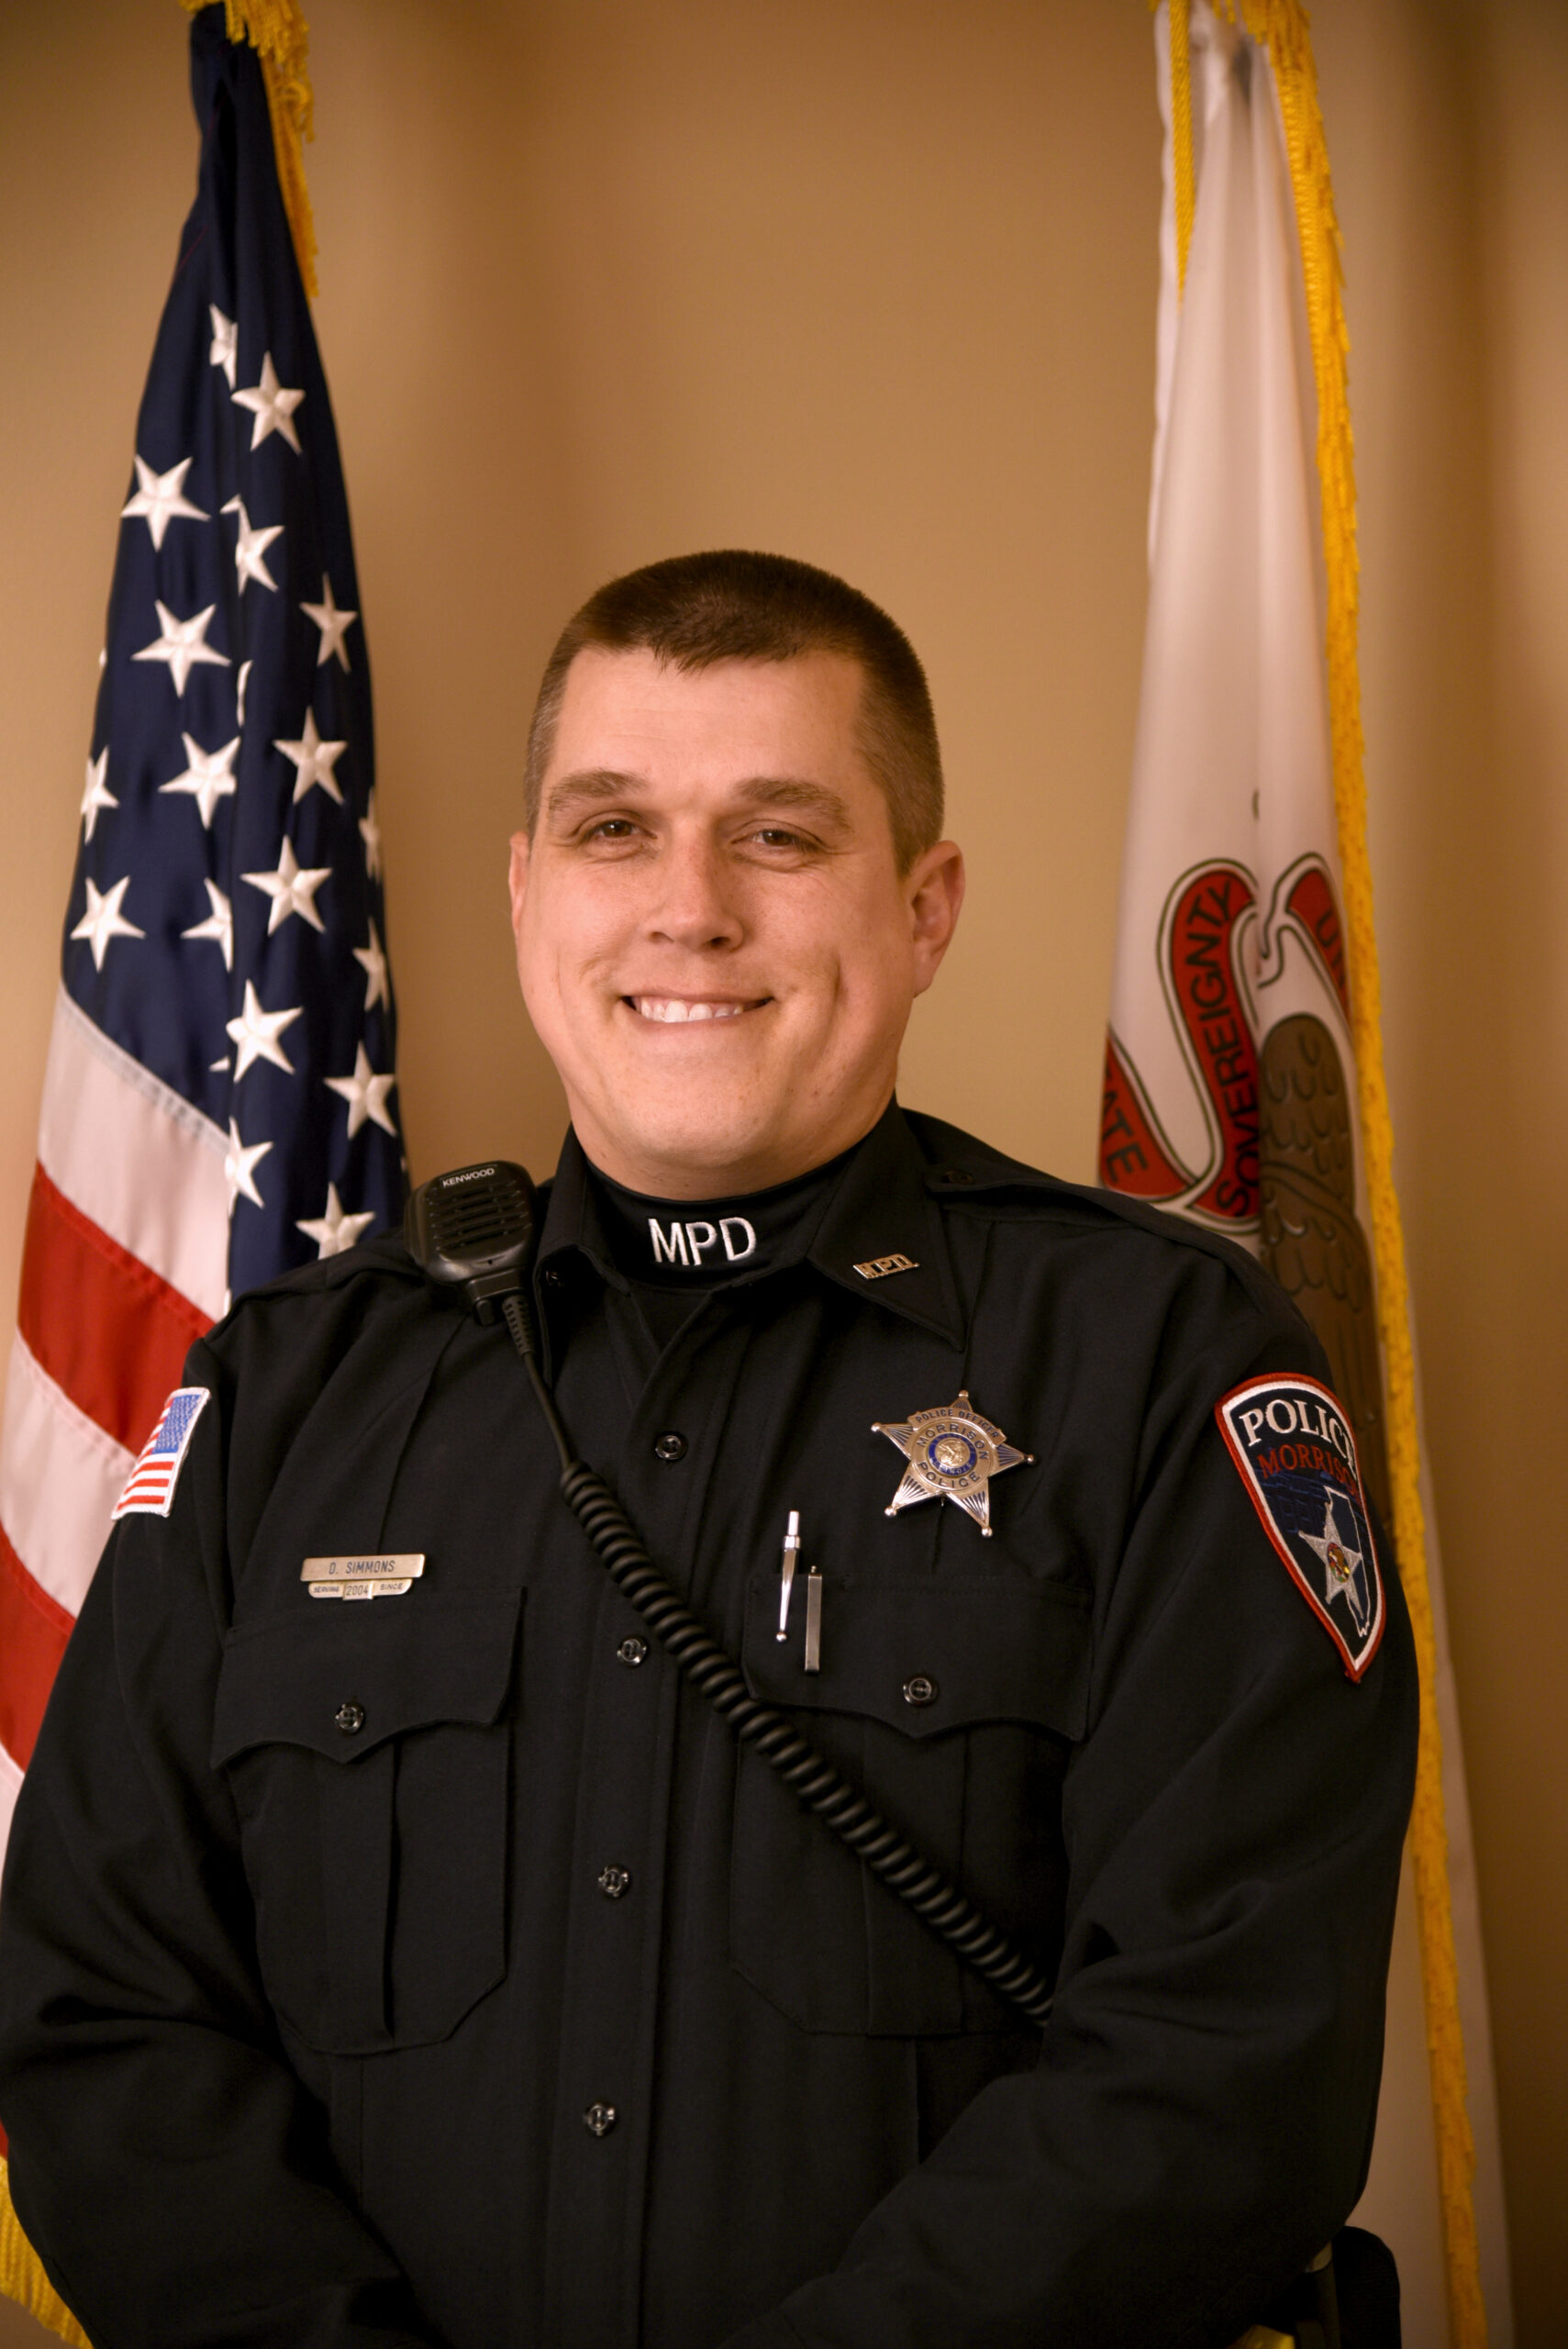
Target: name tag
<point x="386" y="1576"/>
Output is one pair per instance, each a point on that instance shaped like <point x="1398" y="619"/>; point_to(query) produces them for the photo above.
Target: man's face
<point x="714" y="941"/>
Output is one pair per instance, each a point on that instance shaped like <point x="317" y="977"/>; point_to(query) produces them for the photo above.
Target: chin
<point x="695" y="1141"/>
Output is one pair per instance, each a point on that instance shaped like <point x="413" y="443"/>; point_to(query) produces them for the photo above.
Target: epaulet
<point x="384" y="1258"/>
<point x="959" y="1167"/>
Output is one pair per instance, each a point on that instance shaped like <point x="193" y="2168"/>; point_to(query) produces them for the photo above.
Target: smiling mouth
<point x="675" y="1010"/>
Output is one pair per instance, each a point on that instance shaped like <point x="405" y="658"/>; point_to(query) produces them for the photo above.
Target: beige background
<point x="873" y="281"/>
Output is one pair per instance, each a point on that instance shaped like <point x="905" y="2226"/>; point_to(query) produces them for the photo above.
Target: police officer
<point x="435" y="1968"/>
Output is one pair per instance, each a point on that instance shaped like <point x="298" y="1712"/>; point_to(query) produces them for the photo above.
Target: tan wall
<point x="873" y="281"/>
<point x="1450" y="127"/>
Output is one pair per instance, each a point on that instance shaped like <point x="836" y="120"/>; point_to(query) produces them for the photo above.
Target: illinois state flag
<point x="1230" y="1088"/>
<point x="1232" y="1082"/>
<point x="217" y="1104"/>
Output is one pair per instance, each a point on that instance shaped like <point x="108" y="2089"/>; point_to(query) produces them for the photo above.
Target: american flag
<point x="218" y="1103"/>
<point x="149" y="1488"/>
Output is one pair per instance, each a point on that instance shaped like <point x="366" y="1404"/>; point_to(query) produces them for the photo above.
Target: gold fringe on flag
<point x="22" y="2278"/>
<point x="281" y="37"/>
<point x="1282" y="27"/>
<point x="1182" y="136"/>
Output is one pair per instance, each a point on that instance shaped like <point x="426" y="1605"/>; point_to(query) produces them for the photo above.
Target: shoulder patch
<point x="1291" y="1441"/>
<point x="150" y="1487"/>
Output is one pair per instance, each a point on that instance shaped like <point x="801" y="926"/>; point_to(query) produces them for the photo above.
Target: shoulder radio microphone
<point x="476" y="1228"/>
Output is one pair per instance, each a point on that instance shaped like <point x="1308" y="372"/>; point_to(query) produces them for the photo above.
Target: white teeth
<point x="671" y="1007"/>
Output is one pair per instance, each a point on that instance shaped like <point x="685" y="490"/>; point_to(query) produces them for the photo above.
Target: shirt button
<point x="920" y="1689"/>
<point x="633" y="1652"/>
<point x="599" y="2119"/>
<point x="959" y="1174"/>
<point x="614" y="1881"/>
<point x="671" y="1445"/>
<point x="350" y="1718"/>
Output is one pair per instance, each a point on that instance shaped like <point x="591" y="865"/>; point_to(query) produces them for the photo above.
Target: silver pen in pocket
<point x="786" y="1571"/>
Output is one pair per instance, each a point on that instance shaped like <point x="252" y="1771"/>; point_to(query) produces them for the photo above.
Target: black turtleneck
<point x="673" y="1252"/>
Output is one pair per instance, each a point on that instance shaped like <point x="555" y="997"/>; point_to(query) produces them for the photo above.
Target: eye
<point x="778" y="836"/>
<point x="612" y="829"/>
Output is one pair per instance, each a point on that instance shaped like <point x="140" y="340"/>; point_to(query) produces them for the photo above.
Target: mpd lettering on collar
<point x="1291" y="1440"/>
<point x="692" y="1245"/>
<point x="877" y="1268"/>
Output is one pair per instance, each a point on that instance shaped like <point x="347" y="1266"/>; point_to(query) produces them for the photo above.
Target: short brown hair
<point x="697" y="609"/>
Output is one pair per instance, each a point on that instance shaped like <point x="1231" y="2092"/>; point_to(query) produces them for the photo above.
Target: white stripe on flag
<point x="139" y="1161"/>
<point x="59" y="1478"/>
<point x="10" y="1788"/>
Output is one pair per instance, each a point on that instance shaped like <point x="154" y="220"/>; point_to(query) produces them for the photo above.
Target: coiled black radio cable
<point x="810" y="1777"/>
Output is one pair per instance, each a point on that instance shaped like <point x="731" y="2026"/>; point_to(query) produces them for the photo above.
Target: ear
<point x="517" y="877"/>
<point x="934" y="887"/>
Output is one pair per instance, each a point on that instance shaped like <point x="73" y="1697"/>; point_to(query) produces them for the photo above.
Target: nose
<point x="693" y="903"/>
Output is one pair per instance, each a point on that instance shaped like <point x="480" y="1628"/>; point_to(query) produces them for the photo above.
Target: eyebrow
<point x="592" y="786"/>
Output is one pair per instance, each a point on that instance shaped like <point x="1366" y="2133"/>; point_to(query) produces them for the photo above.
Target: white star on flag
<point x="159" y="498"/>
<point x="332" y="623"/>
<point x="239" y="1168"/>
<point x="182" y="644"/>
<point x="291" y="889"/>
<point x="272" y="407"/>
<point x="336" y="1232"/>
<point x="225" y="352"/>
<point x="160" y="1052"/>
<point x="315" y="760"/>
<point x="208" y="778"/>
<point x="104" y="920"/>
<point x="256" y="1034"/>
<point x="97" y="796"/>
<point x="370" y="832"/>
<point x="373" y="960"/>
<point x="365" y="1094"/>
<point x="218" y="926"/>
<point x="251" y="547"/>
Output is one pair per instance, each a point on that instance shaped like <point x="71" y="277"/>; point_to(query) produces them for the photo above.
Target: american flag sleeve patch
<point x="150" y="1487"/>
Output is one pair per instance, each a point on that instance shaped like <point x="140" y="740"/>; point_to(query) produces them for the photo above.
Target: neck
<point x="653" y="1175"/>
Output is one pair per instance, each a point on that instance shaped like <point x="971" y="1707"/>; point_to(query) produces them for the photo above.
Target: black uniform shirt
<point x="434" y="1969"/>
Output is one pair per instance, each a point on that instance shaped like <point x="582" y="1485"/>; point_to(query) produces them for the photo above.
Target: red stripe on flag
<point x="33" y="1631"/>
<point x="105" y="1329"/>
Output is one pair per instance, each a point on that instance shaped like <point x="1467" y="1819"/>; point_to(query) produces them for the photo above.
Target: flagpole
<point x="1282" y="28"/>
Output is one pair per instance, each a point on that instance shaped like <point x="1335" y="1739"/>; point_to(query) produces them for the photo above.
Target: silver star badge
<point x="952" y="1453"/>
<point x="1339" y="1565"/>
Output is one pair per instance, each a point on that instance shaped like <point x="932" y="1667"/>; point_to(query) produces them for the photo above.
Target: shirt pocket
<point x="954" y="1705"/>
<point x="370" y="1761"/>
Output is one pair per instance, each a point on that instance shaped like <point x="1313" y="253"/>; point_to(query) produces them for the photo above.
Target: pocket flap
<point x="342" y="1676"/>
<point x="928" y="1658"/>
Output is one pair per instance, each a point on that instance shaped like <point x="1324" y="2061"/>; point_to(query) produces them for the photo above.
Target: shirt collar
<point x="880" y="1209"/>
<point x="571" y="1221"/>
